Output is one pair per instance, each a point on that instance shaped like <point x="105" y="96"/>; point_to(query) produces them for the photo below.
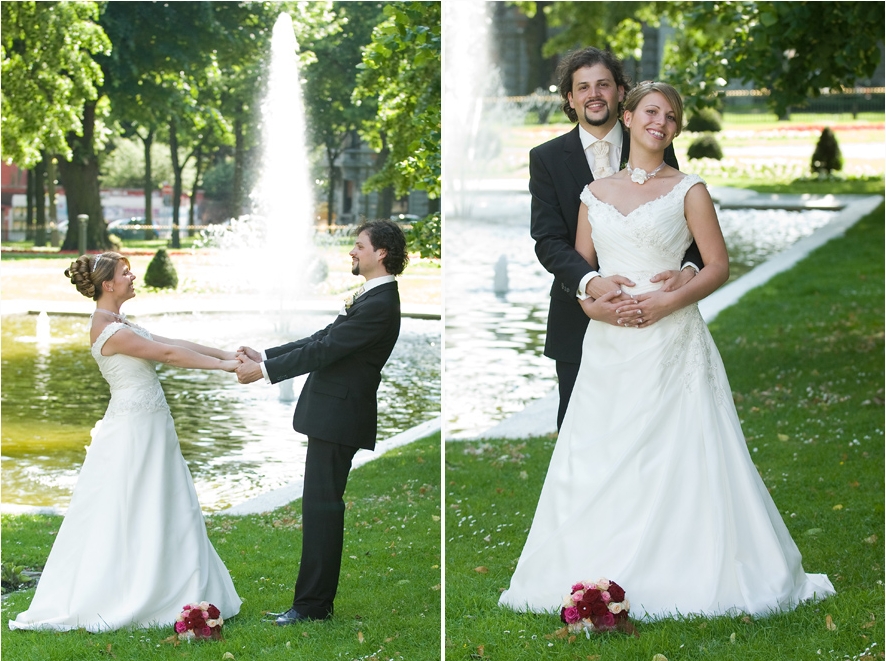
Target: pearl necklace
<point x="639" y="175"/>
<point x="119" y="317"/>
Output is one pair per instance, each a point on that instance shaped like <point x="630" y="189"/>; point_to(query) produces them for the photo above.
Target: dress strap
<point x="105" y="335"/>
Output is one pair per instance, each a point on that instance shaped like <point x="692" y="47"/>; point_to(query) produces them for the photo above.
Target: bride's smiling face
<point x="121" y="286"/>
<point x="654" y="121"/>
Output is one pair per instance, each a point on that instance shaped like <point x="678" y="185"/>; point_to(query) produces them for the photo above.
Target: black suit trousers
<point x="323" y="518"/>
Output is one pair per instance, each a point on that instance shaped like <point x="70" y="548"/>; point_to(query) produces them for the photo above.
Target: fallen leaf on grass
<point x="360" y="637"/>
<point x="837" y="507"/>
<point x="871" y="540"/>
<point x="562" y="632"/>
<point x="732" y="638"/>
<point x="829" y="623"/>
<point x="812" y="532"/>
<point x="480" y="650"/>
<point x="227" y="655"/>
<point x="784" y="437"/>
<point x="481" y="570"/>
<point x="172" y="640"/>
<point x="659" y="657"/>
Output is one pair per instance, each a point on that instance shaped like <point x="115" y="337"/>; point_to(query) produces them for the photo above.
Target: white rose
<point x="615" y="608"/>
<point x="603" y="584"/>
<point x="639" y="176"/>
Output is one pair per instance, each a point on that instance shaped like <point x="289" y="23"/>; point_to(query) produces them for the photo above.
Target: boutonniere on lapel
<point x="623" y="164"/>
<point x="350" y="300"/>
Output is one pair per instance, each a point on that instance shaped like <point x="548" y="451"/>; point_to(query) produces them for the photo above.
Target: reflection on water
<point x="494" y="358"/>
<point x="238" y="440"/>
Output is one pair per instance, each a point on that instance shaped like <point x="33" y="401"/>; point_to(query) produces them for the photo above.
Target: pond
<point x="238" y="440"/>
<point x="494" y="344"/>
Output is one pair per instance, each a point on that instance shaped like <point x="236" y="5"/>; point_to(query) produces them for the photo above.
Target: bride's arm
<point x="584" y="243"/>
<point x="128" y="343"/>
<point x="198" y="348"/>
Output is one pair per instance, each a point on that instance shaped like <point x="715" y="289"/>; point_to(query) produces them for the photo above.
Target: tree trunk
<point x="50" y="194"/>
<point x="40" y="203"/>
<point x="536" y="34"/>
<point x="331" y="156"/>
<point x="239" y="166"/>
<point x="148" y="186"/>
<point x="80" y="177"/>
<point x="29" y="205"/>
<point x="176" y="184"/>
<point x="192" y="207"/>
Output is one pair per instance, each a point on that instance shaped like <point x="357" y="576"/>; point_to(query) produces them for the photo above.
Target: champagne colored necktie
<point x="601" y="159"/>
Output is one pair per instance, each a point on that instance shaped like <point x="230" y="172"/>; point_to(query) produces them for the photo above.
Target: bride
<point x="132" y="549"/>
<point x="651" y="484"/>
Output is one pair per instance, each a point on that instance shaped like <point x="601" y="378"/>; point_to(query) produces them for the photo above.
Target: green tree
<point x="329" y="82"/>
<point x="401" y="69"/>
<point x="50" y="97"/>
<point x="792" y="49"/>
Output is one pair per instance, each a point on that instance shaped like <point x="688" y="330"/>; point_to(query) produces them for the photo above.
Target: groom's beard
<point x="597" y="122"/>
<point x="355" y="269"/>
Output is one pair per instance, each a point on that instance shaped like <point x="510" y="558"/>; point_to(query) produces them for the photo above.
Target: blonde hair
<point x="632" y="100"/>
<point x="88" y="272"/>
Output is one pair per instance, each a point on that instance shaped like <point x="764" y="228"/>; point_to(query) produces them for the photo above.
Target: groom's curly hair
<point x="587" y="57"/>
<point x="388" y="235"/>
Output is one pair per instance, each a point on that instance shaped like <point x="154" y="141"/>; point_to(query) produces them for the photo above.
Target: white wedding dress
<point x="132" y="549"/>
<point x="651" y="484"/>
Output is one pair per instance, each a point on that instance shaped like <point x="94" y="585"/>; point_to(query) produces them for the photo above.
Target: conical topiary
<point x="161" y="272"/>
<point x="827" y="157"/>
<point x="705" y="147"/>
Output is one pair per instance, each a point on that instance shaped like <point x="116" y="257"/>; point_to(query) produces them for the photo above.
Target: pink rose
<point x="180" y="627"/>
<point x="207" y="632"/>
<point x="570" y="615"/>
<point x="578" y="586"/>
<point x="577" y="595"/>
<point x="605" y="621"/>
<point x="606" y="597"/>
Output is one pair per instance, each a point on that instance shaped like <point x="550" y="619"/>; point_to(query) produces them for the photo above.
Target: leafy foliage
<point x="792" y="49"/>
<point x="401" y="68"/>
<point x="705" y="147"/>
<point x="425" y="237"/>
<point x="161" y="272"/>
<point x="706" y="119"/>
<point x="48" y="74"/>
<point x="827" y="157"/>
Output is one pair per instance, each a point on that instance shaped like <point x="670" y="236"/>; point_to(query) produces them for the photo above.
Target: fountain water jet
<point x="283" y="198"/>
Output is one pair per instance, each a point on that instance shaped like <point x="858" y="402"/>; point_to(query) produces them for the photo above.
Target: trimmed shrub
<point x="161" y="272"/>
<point x="827" y="157"/>
<point x="705" y="120"/>
<point x="705" y="147"/>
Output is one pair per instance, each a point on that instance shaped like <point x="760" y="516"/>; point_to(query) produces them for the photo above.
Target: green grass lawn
<point x="805" y="358"/>
<point x="389" y="598"/>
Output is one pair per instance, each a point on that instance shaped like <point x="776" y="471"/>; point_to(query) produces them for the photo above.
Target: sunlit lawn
<point x="389" y="599"/>
<point x="805" y="359"/>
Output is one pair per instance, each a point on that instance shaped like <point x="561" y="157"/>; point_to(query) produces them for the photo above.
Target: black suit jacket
<point x="338" y="402"/>
<point x="558" y="171"/>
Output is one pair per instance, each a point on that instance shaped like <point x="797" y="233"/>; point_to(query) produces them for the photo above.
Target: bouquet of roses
<point x="199" y="620"/>
<point x="596" y="606"/>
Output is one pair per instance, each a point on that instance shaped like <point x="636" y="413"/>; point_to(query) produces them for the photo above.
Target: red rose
<point x="195" y="620"/>
<point x="616" y="592"/>
<point x="594" y="600"/>
<point x="207" y="632"/>
<point x="213" y="612"/>
<point x="584" y="608"/>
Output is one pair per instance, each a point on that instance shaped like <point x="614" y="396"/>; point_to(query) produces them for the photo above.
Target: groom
<point x="337" y="407"/>
<point x="592" y="85"/>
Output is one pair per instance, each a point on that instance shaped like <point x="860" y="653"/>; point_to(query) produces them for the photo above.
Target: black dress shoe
<point x="292" y="616"/>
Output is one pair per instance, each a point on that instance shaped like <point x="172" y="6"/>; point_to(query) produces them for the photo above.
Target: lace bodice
<point x="133" y="381"/>
<point x="651" y="239"/>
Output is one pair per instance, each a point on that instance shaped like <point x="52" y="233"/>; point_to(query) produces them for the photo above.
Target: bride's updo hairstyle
<point x="89" y="272"/>
<point x="632" y="100"/>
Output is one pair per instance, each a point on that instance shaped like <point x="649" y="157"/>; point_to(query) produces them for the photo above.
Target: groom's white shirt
<point x="369" y="284"/>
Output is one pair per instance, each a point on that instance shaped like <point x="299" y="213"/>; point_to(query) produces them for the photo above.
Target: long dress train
<point x="651" y="484"/>
<point x="132" y="549"/>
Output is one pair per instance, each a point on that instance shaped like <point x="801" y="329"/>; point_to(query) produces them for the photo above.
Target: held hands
<point x="673" y="279"/>
<point x="645" y="309"/>
<point x="248" y="365"/>
<point x="230" y="365"/>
